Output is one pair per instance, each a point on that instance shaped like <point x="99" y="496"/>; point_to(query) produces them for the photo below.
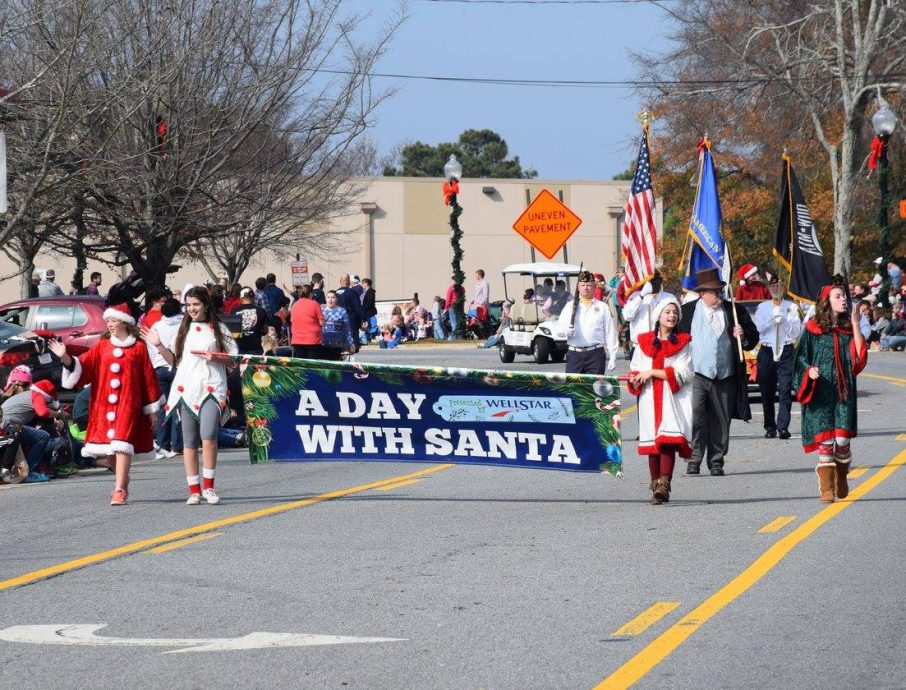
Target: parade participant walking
<point x="660" y="373"/>
<point x="719" y="389"/>
<point x="779" y="325"/>
<point x="831" y="353"/>
<point x="199" y="390"/>
<point x="336" y="337"/>
<point x="639" y="307"/>
<point x="125" y="396"/>
<point x="591" y="337"/>
<point x="306" y="320"/>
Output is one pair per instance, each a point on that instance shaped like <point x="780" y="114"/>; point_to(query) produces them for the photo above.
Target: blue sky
<point x="569" y="133"/>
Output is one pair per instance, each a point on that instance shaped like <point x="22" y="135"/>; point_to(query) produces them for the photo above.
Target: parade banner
<point x="314" y="410"/>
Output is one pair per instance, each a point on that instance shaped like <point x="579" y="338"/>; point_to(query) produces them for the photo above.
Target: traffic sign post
<point x="547" y="224"/>
<point x="299" y="270"/>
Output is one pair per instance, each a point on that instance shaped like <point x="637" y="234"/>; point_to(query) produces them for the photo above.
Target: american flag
<point x="639" y="240"/>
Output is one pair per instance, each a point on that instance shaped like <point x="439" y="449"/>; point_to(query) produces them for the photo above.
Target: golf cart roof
<point x="543" y="268"/>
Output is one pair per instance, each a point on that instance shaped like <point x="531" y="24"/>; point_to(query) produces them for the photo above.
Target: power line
<point x="579" y="83"/>
<point x="545" y="2"/>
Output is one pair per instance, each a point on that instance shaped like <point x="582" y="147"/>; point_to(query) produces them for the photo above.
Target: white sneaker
<point x="193" y="500"/>
<point x="160" y="454"/>
<point x="211" y="496"/>
<point x="170" y="454"/>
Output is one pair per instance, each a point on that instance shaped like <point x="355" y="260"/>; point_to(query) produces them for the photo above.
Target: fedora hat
<point x="709" y="279"/>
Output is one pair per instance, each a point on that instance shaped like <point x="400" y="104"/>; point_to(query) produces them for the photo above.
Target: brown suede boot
<point x="842" y="469"/>
<point x="655" y="501"/>
<point x="826" y="482"/>
<point x="662" y="489"/>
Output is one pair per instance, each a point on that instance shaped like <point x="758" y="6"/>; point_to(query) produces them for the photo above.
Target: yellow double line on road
<point x="668" y="641"/>
<point x="183" y="534"/>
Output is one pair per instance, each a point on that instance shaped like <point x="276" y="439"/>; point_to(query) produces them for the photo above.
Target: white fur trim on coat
<point x="103" y="450"/>
<point x="70" y="379"/>
<point x="154" y="406"/>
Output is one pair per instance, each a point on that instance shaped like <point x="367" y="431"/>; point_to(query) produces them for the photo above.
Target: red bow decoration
<point x="877" y="148"/>
<point x="451" y="189"/>
<point x="702" y="145"/>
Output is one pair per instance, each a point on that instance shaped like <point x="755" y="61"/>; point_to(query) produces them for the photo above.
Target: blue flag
<point x="708" y="249"/>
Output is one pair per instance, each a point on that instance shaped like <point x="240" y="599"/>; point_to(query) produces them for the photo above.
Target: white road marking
<point x="84" y="635"/>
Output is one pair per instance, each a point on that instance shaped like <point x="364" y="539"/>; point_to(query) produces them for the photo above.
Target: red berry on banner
<point x="210" y="389"/>
<point x="181" y="389"/>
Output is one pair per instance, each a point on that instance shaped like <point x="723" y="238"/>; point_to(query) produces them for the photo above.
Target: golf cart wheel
<point x="506" y="356"/>
<point x="541" y="350"/>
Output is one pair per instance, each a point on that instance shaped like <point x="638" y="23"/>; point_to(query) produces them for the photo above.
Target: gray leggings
<point x="204" y="428"/>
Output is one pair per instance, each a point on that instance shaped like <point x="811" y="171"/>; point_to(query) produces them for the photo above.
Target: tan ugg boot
<point x="842" y="469"/>
<point x="826" y="482"/>
<point x="662" y="489"/>
<point x="655" y="501"/>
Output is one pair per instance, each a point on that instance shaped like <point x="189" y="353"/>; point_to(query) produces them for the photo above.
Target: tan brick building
<point x="399" y="235"/>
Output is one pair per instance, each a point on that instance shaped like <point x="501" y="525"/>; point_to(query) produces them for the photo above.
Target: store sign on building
<point x="547" y="224"/>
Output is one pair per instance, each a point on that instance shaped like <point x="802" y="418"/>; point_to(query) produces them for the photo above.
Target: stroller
<point x="13" y="467"/>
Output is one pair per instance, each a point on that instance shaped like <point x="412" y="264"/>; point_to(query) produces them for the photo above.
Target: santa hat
<point x="120" y="312"/>
<point x="746" y="271"/>
<point x="48" y="391"/>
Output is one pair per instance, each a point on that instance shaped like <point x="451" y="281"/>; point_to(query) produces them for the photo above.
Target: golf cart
<point x="531" y="332"/>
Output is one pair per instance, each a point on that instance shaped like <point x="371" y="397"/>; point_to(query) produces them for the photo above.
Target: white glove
<point x="612" y="364"/>
<point x="570" y="332"/>
<point x="777" y="314"/>
<point x="647" y="289"/>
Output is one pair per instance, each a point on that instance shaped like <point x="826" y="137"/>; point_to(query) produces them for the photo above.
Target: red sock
<point x="194" y="488"/>
<point x="654" y="466"/>
<point x="208" y="482"/>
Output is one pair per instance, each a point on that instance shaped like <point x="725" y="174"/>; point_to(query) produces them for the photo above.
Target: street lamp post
<point x="453" y="173"/>
<point x="884" y="121"/>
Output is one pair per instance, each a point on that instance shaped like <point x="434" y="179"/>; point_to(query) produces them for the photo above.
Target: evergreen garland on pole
<point x="458" y="275"/>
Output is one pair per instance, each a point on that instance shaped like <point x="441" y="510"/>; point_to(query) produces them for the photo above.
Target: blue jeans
<point x="37" y="441"/>
<point x="453" y="323"/>
<point x="894" y="342"/>
<point x="229" y="438"/>
<point x="165" y="434"/>
<point x="439" y="329"/>
<point x="492" y="342"/>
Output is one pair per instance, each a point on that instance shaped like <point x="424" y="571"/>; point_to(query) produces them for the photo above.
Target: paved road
<point x="479" y="577"/>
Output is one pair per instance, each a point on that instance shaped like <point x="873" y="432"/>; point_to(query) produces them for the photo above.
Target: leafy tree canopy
<point x="482" y="153"/>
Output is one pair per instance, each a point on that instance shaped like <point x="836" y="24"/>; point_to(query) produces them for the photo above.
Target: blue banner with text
<point x="312" y="410"/>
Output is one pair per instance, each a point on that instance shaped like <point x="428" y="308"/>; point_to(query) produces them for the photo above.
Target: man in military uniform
<point x="591" y="335"/>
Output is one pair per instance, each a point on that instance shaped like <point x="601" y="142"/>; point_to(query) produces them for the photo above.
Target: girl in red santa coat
<point x="660" y="373"/>
<point x="124" y="396"/>
<point x="199" y="390"/>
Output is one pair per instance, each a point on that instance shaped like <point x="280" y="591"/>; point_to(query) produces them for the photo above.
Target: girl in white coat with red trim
<point x="660" y="373"/>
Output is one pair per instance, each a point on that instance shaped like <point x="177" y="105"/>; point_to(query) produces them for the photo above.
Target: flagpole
<point x="731" y="293"/>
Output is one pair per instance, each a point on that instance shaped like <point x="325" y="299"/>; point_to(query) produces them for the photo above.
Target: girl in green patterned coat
<point x="830" y="354"/>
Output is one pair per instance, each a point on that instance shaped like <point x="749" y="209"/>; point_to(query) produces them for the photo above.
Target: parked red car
<point x="77" y="319"/>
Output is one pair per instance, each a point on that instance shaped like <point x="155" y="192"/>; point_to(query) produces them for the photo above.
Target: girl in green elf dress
<point x="830" y="354"/>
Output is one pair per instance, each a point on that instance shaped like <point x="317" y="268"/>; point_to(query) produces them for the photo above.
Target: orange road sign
<point x="547" y="224"/>
<point x="902" y="208"/>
